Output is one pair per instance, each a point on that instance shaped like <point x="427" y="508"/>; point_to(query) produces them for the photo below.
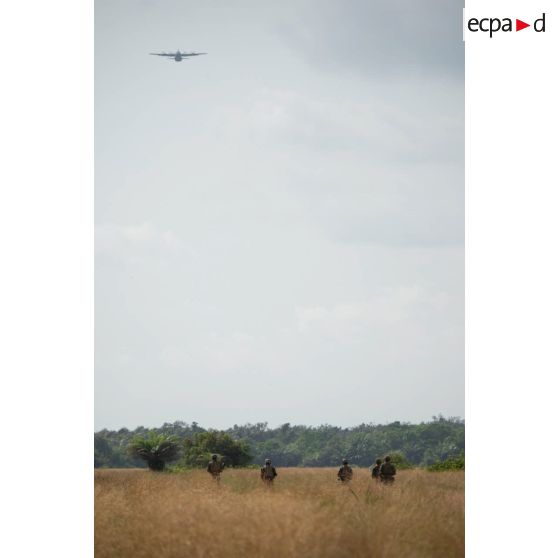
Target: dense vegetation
<point x="199" y="449"/>
<point x="423" y="444"/>
<point x="449" y="464"/>
<point x="156" y="450"/>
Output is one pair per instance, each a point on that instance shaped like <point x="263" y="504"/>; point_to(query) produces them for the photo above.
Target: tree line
<point x="428" y="444"/>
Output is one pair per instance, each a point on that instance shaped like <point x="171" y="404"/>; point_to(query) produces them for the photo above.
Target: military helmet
<point x="214" y="456"/>
<point x="345" y="462"/>
<point x="388" y="458"/>
<point x="268" y="461"/>
<point x="378" y="461"/>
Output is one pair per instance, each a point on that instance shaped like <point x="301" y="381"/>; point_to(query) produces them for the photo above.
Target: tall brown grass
<point x="306" y="513"/>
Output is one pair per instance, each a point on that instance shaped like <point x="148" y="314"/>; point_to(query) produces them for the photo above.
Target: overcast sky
<point x="279" y="224"/>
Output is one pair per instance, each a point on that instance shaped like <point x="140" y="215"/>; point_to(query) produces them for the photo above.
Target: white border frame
<point x="46" y="298"/>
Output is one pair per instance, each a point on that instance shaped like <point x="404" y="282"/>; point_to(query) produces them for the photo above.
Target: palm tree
<point x="156" y="449"/>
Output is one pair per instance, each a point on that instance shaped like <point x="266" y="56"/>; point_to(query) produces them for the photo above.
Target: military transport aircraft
<point x="178" y="56"/>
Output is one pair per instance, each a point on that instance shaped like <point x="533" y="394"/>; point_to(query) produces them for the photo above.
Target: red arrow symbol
<point x="519" y="25"/>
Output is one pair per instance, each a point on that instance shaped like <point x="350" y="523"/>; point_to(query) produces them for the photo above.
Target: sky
<point x="279" y="224"/>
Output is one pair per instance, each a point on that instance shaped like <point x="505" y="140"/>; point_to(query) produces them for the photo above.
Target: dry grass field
<point x="306" y="514"/>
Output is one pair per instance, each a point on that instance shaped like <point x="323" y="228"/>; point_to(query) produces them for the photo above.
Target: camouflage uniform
<point x="376" y="469"/>
<point x="215" y="468"/>
<point x="387" y="472"/>
<point x="268" y="473"/>
<point x="345" y="473"/>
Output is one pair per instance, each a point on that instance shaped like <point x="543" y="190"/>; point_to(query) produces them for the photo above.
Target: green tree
<point x="450" y="464"/>
<point x="199" y="448"/>
<point x="291" y="445"/>
<point x="399" y="460"/>
<point x="104" y="455"/>
<point x="156" y="449"/>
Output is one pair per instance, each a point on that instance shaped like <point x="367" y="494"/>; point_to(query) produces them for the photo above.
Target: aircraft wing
<point x="192" y="53"/>
<point x="161" y="54"/>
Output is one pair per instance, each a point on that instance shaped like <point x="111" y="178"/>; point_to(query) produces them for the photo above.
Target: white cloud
<point x="135" y="242"/>
<point x="401" y="307"/>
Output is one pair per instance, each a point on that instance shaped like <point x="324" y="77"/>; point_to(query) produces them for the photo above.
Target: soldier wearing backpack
<point x="215" y="468"/>
<point x="387" y="471"/>
<point x="268" y="472"/>
<point x="345" y="473"/>
<point x="376" y="469"/>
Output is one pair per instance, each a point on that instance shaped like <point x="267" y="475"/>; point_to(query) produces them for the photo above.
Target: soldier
<point x="215" y="468"/>
<point x="345" y="473"/>
<point x="268" y="472"/>
<point x="387" y="471"/>
<point x="376" y="470"/>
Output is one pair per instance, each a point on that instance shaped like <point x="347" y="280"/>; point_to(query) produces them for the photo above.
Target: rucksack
<point x="387" y="469"/>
